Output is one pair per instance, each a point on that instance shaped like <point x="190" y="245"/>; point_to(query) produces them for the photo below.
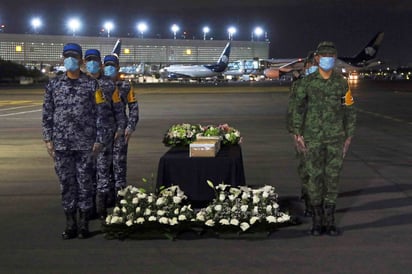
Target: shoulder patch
<point x="348" y="98"/>
<point x="99" y="96"/>
<point x="131" y="97"/>
<point x="116" y="96"/>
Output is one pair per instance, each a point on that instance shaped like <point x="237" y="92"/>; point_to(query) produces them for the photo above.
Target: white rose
<point x="244" y="226"/>
<point x="135" y="201"/>
<point x="150" y="199"/>
<point x="265" y="194"/>
<point x="253" y="220"/>
<point x="124" y="210"/>
<point x="173" y="221"/>
<point x="256" y="199"/>
<point x="160" y="201"/>
<point x="255" y="210"/>
<point x="140" y="220"/>
<point x="152" y="218"/>
<point x="115" y="220"/>
<point x="129" y="223"/>
<point x="141" y="195"/>
<point x="232" y="197"/>
<point x="123" y="202"/>
<point x="234" y="208"/>
<point x="147" y="212"/>
<point x="160" y="212"/>
<point x="245" y="196"/>
<point x="234" y="222"/>
<point x="176" y="211"/>
<point x="271" y="219"/>
<point x="177" y="200"/>
<point x="163" y="220"/>
<point x="116" y="209"/>
<point x="200" y="216"/>
<point x="269" y="209"/>
<point x="218" y="207"/>
<point x="108" y="218"/>
<point x="224" y="222"/>
<point x="210" y="223"/>
<point x="244" y="208"/>
<point x="222" y="197"/>
<point x="275" y="205"/>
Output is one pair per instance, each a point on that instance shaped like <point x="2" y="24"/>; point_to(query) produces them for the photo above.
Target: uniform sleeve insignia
<point x="116" y="96"/>
<point x="99" y="97"/>
<point x="131" y="98"/>
<point x="348" y="98"/>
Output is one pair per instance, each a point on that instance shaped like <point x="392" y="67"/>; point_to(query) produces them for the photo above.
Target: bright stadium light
<point x="74" y="25"/>
<point x="36" y="23"/>
<point x="231" y="31"/>
<point x="142" y="27"/>
<point x="257" y="32"/>
<point x="206" y="30"/>
<point x="108" y="26"/>
<point x="175" y="28"/>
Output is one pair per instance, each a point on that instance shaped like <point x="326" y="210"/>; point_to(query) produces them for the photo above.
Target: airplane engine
<point x="272" y="73"/>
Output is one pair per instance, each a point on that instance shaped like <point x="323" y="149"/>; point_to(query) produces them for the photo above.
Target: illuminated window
<point x="18" y="49"/>
<point x="189" y="52"/>
<point x="126" y="51"/>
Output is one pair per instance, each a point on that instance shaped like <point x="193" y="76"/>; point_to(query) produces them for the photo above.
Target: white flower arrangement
<point x="242" y="207"/>
<point x="137" y="207"/>
<point x="185" y="134"/>
<point x="235" y="209"/>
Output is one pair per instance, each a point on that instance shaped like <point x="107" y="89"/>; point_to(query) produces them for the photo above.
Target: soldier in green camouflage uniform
<point x="309" y="68"/>
<point x="323" y="131"/>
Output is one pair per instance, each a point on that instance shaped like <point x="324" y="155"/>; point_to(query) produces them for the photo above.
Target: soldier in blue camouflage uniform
<point x="128" y="97"/>
<point x="74" y="133"/>
<point x="116" y="123"/>
<point x="323" y="132"/>
<point x="309" y="67"/>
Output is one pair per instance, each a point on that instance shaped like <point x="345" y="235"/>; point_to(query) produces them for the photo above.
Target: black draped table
<point x="191" y="174"/>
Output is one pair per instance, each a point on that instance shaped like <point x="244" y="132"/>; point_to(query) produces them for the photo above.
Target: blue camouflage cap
<point x="72" y="50"/>
<point x="92" y="54"/>
<point x="111" y="60"/>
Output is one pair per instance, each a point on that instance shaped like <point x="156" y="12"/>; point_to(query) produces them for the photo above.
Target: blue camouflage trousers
<point x="120" y="162"/>
<point x="323" y="164"/>
<point x="75" y="170"/>
<point x="103" y="166"/>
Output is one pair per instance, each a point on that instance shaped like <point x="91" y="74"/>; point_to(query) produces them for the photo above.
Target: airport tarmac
<point x="374" y="207"/>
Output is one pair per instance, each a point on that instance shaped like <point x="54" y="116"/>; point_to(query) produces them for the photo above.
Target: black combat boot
<point x="83" y="225"/>
<point x="71" y="226"/>
<point x="316" y="220"/>
<point x="329" y="219"/>
<point x="102" y="205"/>
<point x="308" y="209"/>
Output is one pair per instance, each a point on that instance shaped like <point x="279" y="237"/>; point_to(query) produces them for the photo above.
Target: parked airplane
<point x="364" y="59"/>
<point x="198" y="71"/>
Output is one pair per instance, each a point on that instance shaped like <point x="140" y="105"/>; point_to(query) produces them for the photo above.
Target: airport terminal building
<point x="44" y="51"/>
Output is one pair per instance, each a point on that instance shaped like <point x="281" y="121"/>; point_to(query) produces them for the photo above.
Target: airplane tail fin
<point x="223" y="60"/>
<point x="117" y="48"/>
<point x="370" y="51"/>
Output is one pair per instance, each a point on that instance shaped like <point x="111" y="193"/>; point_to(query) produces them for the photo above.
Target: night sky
<point x="293" y="26"/>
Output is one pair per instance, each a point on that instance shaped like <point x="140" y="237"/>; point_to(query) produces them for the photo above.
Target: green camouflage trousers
<point x="302" y="173"/>
<point x="323" y="164"/>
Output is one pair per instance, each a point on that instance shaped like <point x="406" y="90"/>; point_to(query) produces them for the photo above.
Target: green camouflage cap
<point x="326" y="47"/>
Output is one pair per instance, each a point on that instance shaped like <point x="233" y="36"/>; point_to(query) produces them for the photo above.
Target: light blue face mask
<point x="110" y="71"/>
<point x="327" y="63"/>
<point x="311" y="70"/>
<point x="71" y="64"/>
<point x="93" y="67"/>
